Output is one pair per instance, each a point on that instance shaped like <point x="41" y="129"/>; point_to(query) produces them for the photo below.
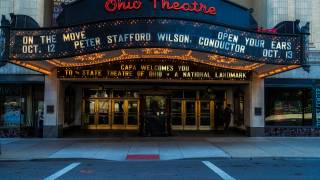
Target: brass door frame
<point x="190" y="127"/>
<point x="96" y="124"/>
<point x="133" y="127"/>
<point x="183" y="114"/>
<point x="119" y="126"/>
<point x="178" y="127"/>
<point x="103" y="126"/>
<point x="211" y="115"/>
<point x="111" y="114"/>
<point x="92" y="126"/>
<point x="198" y="126"/>
<point x="125" y="126"/>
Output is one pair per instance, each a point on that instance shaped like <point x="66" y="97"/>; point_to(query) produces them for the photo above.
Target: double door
<point x="192" y="114"/>
<point x="111" y="114"/>
<point x="123" y="114"/>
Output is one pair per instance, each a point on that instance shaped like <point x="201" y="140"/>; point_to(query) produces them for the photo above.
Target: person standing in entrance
<point x="227" y="116"/>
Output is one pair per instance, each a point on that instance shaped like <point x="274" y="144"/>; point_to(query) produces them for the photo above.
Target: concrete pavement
<point x="190" y="169"/>
<point x="168" y="148"/>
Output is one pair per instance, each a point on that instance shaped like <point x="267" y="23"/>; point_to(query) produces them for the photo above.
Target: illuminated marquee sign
<point x="47" y="44"/>
<point x="152" y="69"/>
<point x="118" y="5"/>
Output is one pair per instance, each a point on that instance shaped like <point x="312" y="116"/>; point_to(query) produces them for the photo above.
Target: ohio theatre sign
<point x="112" y="6"/>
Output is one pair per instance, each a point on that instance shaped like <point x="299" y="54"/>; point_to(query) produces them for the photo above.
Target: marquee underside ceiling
<point x="260" y="69"/>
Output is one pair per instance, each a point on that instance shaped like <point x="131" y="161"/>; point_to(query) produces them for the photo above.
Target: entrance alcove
<point x="224" y="89"/>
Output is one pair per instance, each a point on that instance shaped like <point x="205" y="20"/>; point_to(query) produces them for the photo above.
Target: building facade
<point x="293" y="111"/>
<point x="69" y="102"/>
<point x="22" y="89"/>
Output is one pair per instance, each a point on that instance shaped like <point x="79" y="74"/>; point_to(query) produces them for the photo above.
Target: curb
<point x="159" y="160"/>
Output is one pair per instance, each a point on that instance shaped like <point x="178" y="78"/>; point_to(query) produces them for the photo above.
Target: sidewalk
<point x="168" y="148"/>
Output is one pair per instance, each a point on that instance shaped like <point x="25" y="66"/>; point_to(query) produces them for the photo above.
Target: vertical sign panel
<point x="317" y="103"/>
<point x="3" y="44"/>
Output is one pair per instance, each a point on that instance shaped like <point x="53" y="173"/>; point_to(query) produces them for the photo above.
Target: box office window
<point x="21" y="110"/>
<point x="288" y="107"/>
<point x="11" y="111"/>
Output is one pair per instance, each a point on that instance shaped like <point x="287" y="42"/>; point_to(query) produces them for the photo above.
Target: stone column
<point x="78" y="106"/>
<point x="230" y="100"/>
<point x="254" y="107"/>
<point x="53" y="118"/>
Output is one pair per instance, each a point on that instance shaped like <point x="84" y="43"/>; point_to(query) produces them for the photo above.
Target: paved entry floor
<point x="167" y="148"/>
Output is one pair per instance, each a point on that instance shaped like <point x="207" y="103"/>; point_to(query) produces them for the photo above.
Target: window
<point x="21" y="110"/>
<point x="288" y="107"/>
<point x="10" y="108"/>
<point x="290" y="10"/>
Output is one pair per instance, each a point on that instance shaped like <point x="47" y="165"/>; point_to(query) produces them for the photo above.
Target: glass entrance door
<point x="97" y="113"/>
<point x="120" y="110"/>
<point x="176" y="114"/>
<point x="107" y="113"/>
<point x="103" y="113"/>
<point x="206" y="115"/>
<point x="119" y="114"/>
<point x="125" y="114"/>
<point x="190" y="115"/>
<point x="90" y="114"/>
<point x="133" y="114"/>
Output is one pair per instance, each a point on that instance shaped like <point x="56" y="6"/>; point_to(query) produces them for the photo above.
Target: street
<point x="221" y="168"/>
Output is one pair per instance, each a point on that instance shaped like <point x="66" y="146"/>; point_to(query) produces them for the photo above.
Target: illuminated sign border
<point x="152" y="69"/>
<point x="162" y="23"/>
